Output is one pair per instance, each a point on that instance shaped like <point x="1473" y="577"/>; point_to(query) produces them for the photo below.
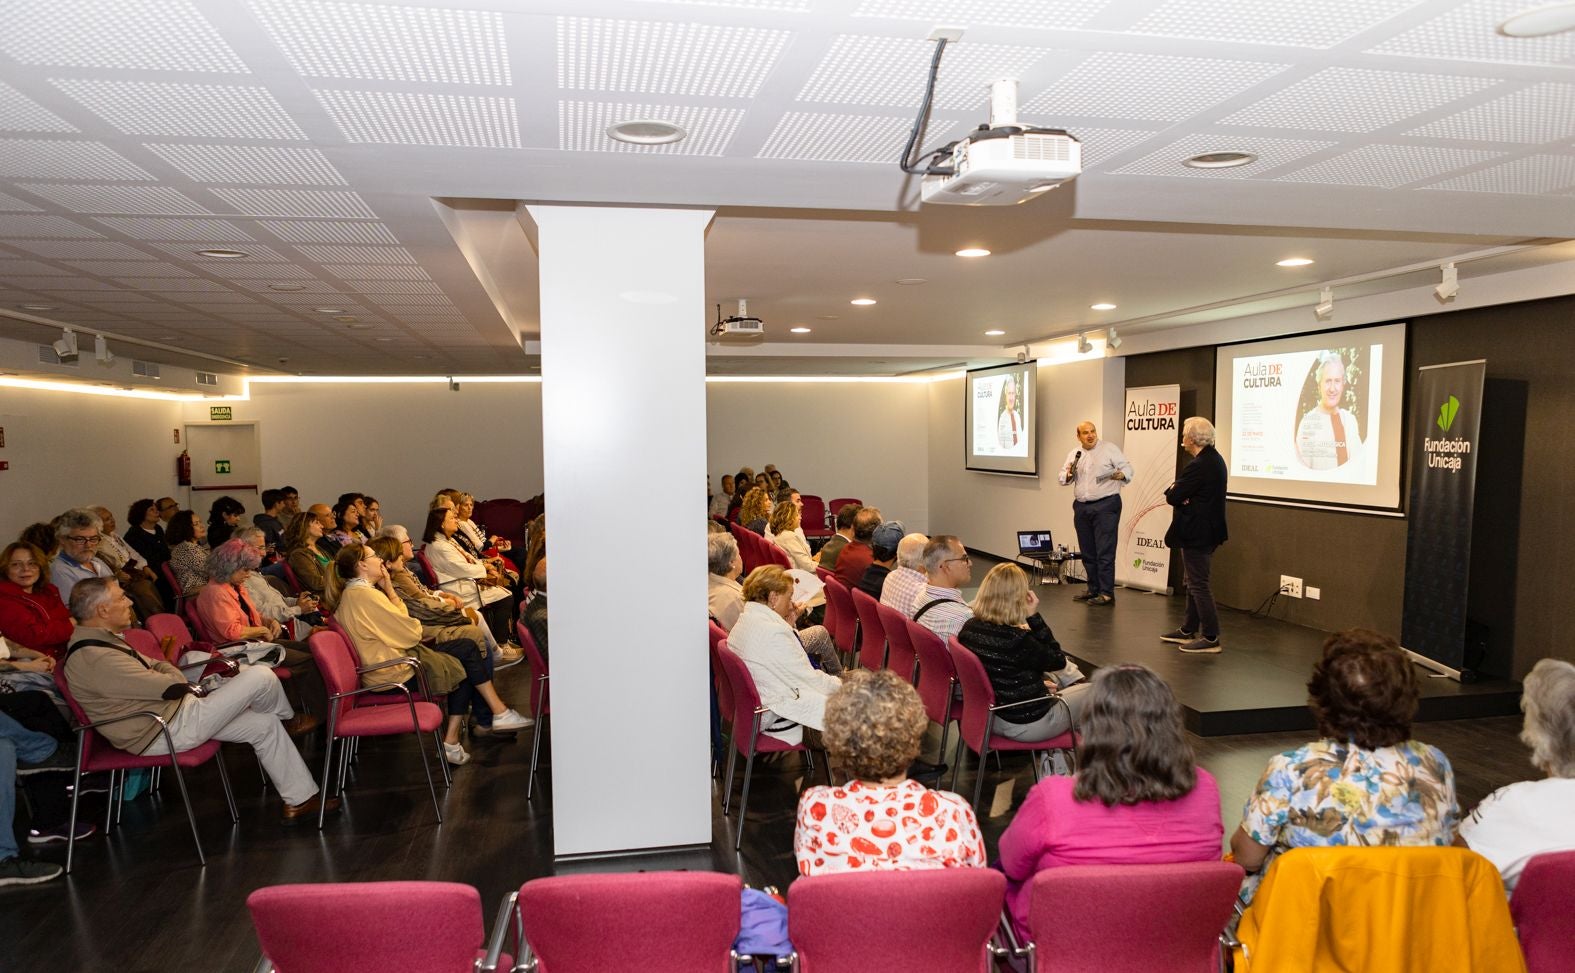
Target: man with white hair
<point x="906" y="581"/>
<point x="1197" y="527"/>
<point x="1328" y="436"/>
<point x="724" y="595"/>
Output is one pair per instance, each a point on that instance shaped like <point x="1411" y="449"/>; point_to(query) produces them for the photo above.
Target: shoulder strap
<point x="109" y="645"/>
<point x="932" y="604"/>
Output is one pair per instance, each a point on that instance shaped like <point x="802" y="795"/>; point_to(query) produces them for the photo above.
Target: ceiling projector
<point x="739" y="325"/>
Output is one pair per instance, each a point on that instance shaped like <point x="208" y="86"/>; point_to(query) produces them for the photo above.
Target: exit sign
<point x="219" y="413"/>
<point x="221" y="466"/>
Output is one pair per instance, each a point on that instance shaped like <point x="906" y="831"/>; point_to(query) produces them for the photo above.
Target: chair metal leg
<point x="425" y="768"/>
<point x="437" y="738"/>
<point x="191" y="816"/>
<point x="109" y="802"/>
<point x="229" y="795"/>
<point x="727" y="786"/>
<point x="323" y="789"/>
<point x="983" y="768"/>
<point x="957" y="760"/>
<point x="535" y="753"/>
<point x="76" y="797"/>
<point x="346" y="754"/>
<point x="743" y="801"/>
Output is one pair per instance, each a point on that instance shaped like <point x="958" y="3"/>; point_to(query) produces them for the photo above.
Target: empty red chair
<point x="775" y="555"/>
<point x="361" y="927"/>
<point x="540" y="701"/>
<point x="747" y="736"/>
<point x="937" y="679"/>
<point x="842" y="620"/>
<point x="812" y="517"/>
<point x="923" y="920"/>
<point x="1543" y="906"/>
<point x="977" y="726"/>
<point x="836" y="505"/>
<point x="168" y="571"/>
<point x="872" y="637"/>
<point x="1136" y="918"/>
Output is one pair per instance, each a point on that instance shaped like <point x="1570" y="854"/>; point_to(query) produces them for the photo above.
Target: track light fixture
<point x="1324" y="309"/>
<point x="1449" y="286"/>
<point x="1083" y="345"/>
<point x="1112" y="340"/>
<point x="101" y="351"/>
<point x="66" y="347"/>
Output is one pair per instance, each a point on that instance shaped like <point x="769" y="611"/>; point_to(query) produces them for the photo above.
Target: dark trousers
<point x="1200" y="600"/>
<point x="478" y="671"/>
<point x="46" y="793"/>
<point x="1098" y="522"/>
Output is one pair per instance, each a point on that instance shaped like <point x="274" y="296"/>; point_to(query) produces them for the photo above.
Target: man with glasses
<point x="168" y="506"/>
<point x="79" y="531"/>
<point x="325" y="516"/>
<point x="947" y="567"/>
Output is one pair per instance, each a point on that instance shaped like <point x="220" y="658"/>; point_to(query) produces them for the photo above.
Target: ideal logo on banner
<point x="1445" y="454"/>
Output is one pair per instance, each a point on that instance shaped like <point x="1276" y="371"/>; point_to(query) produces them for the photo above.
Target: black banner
<point x="1446" y="420"/>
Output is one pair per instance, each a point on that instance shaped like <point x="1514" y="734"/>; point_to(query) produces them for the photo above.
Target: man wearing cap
<point x="883" y="553"/>
<point x="857" y="556"/>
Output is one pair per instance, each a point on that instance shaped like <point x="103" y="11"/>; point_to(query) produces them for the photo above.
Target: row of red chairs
<point x="756" y="551"/>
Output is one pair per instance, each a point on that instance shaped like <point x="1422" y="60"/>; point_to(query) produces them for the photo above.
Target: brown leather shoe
<point x="301" y="724"/>
<point x="291" y="813"/>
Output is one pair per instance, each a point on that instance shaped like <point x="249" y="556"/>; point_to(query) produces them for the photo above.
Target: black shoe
<point x="1102" y="600"/>
<point x="59" y="762"/>
<point x="1085" y="596"/>
<point x="1202" y="646"/>
<point x="1180" y="636"/>
<point x="20" y="871"/>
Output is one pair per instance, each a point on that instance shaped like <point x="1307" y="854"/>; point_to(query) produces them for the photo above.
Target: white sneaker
<point x="455" y="754"/>
<point x="510" y="719"/>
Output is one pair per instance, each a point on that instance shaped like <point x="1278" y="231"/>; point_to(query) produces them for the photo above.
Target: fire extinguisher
<point x="183" y="468"/>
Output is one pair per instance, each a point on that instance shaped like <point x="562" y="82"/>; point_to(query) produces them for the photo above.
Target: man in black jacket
<point x="1197" y="527"/>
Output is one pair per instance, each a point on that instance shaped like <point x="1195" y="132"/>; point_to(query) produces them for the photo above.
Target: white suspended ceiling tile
<point x="1033" y="14"/>
<point x="1532" y="175"/>
<point x="267" y="165"/>
<point x="130" y="268"/>
<point x="60" y="285"/>
<point x="1099" y="144"/>
<point x="1150" y="87"/>
<point x="1467" y="33"/>
<point x="10" y="267"/>
<point x="24" y="225"/>
<point x="1272" y="153"/>
<point x="1387" y="166"/>
<point x="332" y="204"/>
<point x="328" y="231"/>
<point x="401" y="303"/>
<point x="201" y="231"/>
<point x="822" y="137"/>
<point x="377" y="291"/>
<point x="18" y="113"/>
<point x="356" y="255"/>
<point x="184" y="110"/>
<point x="149" y="35"/>
<point x="250" y="270"/>
<point x="355" y="272"/>
<point x="423" y="118"/>
<point x="188" y="251"/>
<point x="309" y="284"/>
<point x="783" y="6"/>
<point x="62" y="159"/>
<point x="1539" y="113"/>
<point x="865" y="70"/>
<point x="80" y="249"/>
<point x="663" y="58"/>
<point x="1356" y="100"/>
<point x="10" y="204"/>
<point x="582" y="127"/>
<point x="166" y="285"/>
<point x="79" y="198"/>
<point x="1290" y="23"/>
<point x="382" y="42"/>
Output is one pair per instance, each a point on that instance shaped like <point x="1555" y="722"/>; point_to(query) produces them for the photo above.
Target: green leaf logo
<point x="1447" y="412"/>
<point x="1137" y="562"/>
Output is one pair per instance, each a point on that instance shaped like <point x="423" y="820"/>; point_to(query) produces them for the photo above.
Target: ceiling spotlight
<point x="646" y="131"/>
<point x="908" y="281"/>
<point x="862" y="301"/>
<point x="329" y="310"/>
<point x="973" y="252"/>
<point x="994" y="333"/>
<point x="1554" y="18"/>
<point x="1324" y="309"/>
<point x="1449" y="286"/>
<point x="1112" y="340"/>
<point x="36" y="307"/>
<point x="101" y="351"/>
<point x="1102" y="306"/>
<point x="66" y="347"/>
<point x="1083" y="344"/>
<point x="799" y="330"/>
<point x="287" y="287"/>
<point x="223" y="254"/>
<point x="1229" y="159"/>
<point x="1293" y="262"/>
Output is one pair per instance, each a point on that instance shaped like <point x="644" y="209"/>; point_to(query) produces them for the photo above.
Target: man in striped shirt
<point x="947" y="567"/>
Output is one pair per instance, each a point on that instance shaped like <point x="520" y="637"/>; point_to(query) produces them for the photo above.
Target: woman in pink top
<point x="1139" y="797"/>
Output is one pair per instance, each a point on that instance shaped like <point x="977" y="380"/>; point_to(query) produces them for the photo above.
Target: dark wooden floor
<point x="138" y="901"/>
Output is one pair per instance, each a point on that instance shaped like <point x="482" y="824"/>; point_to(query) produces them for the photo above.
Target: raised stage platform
<point x="1258" y="684"/>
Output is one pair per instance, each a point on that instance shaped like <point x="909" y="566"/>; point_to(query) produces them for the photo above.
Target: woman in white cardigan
<point x="793" y="690"/>
<point x="464" y="576"/>
<point x="786" y="531"/>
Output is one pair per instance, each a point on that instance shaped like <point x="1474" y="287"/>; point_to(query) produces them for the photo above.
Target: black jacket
<point x="1016" y="661"/>
<point x="1199" y="498"/>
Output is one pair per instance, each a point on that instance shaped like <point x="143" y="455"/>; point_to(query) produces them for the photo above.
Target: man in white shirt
<point x="1096" y="470"/>
<point x="947" y="567"/>
<point x="1328" y="437"/>
<point x="906" y="581"/>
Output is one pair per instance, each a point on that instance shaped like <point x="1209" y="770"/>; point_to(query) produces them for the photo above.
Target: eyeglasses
<point x="965" y="557"/>
<point x="168" y="506"/>
<point x="78" y="539"/>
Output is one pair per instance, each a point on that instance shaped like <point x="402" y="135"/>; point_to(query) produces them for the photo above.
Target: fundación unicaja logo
<point x="1447" y="413"/>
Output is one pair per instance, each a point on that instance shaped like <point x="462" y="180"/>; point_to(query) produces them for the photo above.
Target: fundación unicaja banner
<point x="1152" y="430"/>
<point x="1446" y="421"/>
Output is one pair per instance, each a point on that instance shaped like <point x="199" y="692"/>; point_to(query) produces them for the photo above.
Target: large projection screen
<point x="1001" y="435"/>
<point x="1314" y="419"/>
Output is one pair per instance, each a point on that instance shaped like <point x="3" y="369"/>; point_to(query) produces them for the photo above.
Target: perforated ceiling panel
<point x="1540" y="113"/>
<point x="11" y="204"/>
<point x="356" y="255"/>
<point x="188" y="110"/>
<point x="297" y="202"/>
<point x="1153" y="86"/>
<point x="80" y="249"/>
<point x="41" y="225"/>
<point x="1294" y="23"/>
<point x="1387" y="166"/>
<point x="130" y="268"/>
<point x="21" y="114"/>
<point x="582" y="127"/>
<point x="1099" y="144"/>
<point x="155" y="35"/>
<point x="328" y="231"/>
<point x="1356" y="100"/>
<point x="367" y="272"/>
<point x="116" y="199"/>
<point x="250" y="164"/>
<point x="1271" y="153"/>
<point x="816" y="137"/>
<point x="1535" y="174"/>
<point x="58" y="159"/>
<point x="663" y="58"/>
<point x="1467" y="34"/>
<point x="200" y="231"/>
<point x="241" y="270"/>
<point x="422" y="118"/>
<point x="388" y="43"/>
<point x="1035" y="14"/>
<point x="862" y="70"/>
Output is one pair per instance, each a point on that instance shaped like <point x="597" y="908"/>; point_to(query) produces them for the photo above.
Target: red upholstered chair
<point x="1543" y="906"/>
<point x="747" y="736"/>
<point x="296" y="587"/>
<point x="841" y="502"/>
<point x="594" y="923"/>
<point x="900" y="655"/>
<point x="361" y="927"/>
<point x="940" y="919"/>
<point x="168" y="571"/>
<point x="775" y="555"/>
<point x="842" y="619"/>
<point x="349" y="720"/>
<point x="748" y="547"/>
<point x="504" y="517"/>
<point x="977" y="727"/>
<point x="540" y="700"/>
<point x="812" y="517"/>
<point x="1136" y="918"/>
<point x="96" y="754"/>
<point x="937" y="678"/>
<point x="872" y="637"/>
<point x="724" y="689"/>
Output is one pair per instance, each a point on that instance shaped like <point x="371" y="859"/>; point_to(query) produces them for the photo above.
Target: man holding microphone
<point x="1096" y="470"/>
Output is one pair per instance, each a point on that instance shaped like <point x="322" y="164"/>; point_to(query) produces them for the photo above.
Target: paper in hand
<point x="805" y="586"/>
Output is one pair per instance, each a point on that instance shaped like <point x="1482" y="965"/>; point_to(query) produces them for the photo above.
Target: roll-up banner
<point x="1446" y="418"/>
<point x="1152" y="427"/>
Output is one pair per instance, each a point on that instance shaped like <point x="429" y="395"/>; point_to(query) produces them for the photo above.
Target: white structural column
<point x="623" y="443"/>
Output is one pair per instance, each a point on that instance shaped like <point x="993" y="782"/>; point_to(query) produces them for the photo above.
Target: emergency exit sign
<point x="219" y="413"/>
<point x="221" y="466"/>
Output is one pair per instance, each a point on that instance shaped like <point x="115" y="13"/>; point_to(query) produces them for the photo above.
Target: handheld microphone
<point x="1072" y="466"/>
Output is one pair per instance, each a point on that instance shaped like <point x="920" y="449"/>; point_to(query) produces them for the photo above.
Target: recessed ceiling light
<point x="1293" y="262"/>
<point x="36" y="307"/>
<point x="1540" y="21"/>
<point x="329" y="310"/>
<point x="287" y="287"/>
<point x="420" y="357"/>
<point x="825" y="317"/>
<point x="222" y="254"/>
<point x="799" y="330"/>
<point x="862" y="301"/>
<point x="354" y="327"/>
<point x="912" y="280"/>
<point x="1226" y="159"/>
<point x="973" y="252"/>
<point x="646" y="131"/>
<point x="383" y="339"/>
<point x="994" y="333"/>
<point x="1101" y="307"/>
<point x="167" y="337"/>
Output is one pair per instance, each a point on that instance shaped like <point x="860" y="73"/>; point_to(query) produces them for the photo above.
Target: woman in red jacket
<point x="31" y="612"/>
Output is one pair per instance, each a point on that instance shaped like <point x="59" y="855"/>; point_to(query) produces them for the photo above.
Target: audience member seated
<point x="32" y="614"/>
<point x="359" y="532"/>
<point x="1138" y="798"/>
<point x="787" y="532"/>
<point x="268" y="601"/>
<point x="716" y="502"/>
<point x="743" y="480"/>
<point x="755" y="513"/>
<point x="347" y="524"/>
<point x="441" y="614"/>
<point x="26" y="754"/>
<point x="42" y="536"/>
<point x="372" y="522"/>
<point x="793" y="690"/>
<point x="229" y="616"/>
<point x="78" y="533"/>
<point x="25" y="670"/>
<point x="829" y="552"/>
<point x="382" y="630"/>
<point x="724" y="593"/>
<point x="535" y="546"/>
<point x="1365" y="781"/>
<point x="857" y="554"/>
<point x="324" y="515"/>
<point x="110" y="679"/>
<point x="940" y="606"/>
<point x="145" y="533"/>
<point x="472" y="538"/>
<point x="223" y="517"/>
<point x="880" y="820"/>
<point x="1528" y="818"/>
<point x="136" y="579"/>
<point x="1019" y="654"/>
<point x="305" y="552"/>
<point x="906" y="582"/>
<point x="269" y="521"/>
<point x="462" y="574"/>
<point x="535" y="614"/>
<point x="292" y="503"/>
<point x="883" y="557"/>
<point x="187" y="537"/>
<point x="167" y="508"/>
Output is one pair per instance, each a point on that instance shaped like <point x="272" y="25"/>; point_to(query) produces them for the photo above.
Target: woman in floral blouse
<point x="1365" y="782"/>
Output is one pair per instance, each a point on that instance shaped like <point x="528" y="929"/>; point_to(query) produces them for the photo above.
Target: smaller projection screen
<point x="1002" y="428"/>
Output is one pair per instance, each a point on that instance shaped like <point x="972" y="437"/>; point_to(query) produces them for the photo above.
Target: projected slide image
<point x="1333" y="410"/>
<point x="1306" y="415"/>
<point x="1000" y="416"/>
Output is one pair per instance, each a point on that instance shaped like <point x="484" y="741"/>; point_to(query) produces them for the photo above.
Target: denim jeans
<point x="17" y="744"/>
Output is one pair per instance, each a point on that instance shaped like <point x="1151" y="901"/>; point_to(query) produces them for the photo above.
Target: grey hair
<point x="75" y="519"/>
<point x="396" y="531"/>
<point x="1548" y="697"/>
<point x="938" y="551"/>
<point x="1199" y="431"/>
<point x="720" y="549"/>
<point x="910" y="551"/>
<point x="89" y="595"/>
<point x="230" y="557"/>
<point x="247" y="533"/>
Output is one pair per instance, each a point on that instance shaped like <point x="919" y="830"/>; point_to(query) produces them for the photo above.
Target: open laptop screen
<point x="1034" y="542"/>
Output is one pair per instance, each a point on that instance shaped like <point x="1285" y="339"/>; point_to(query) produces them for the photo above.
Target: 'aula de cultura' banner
<point x="1151" y="428"/>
